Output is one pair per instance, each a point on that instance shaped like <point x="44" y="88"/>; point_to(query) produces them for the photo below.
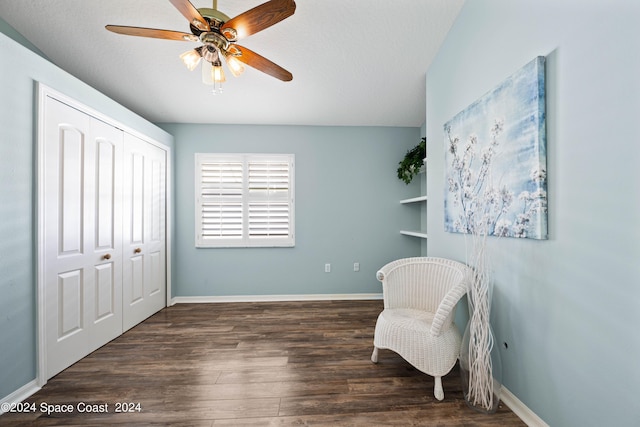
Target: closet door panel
<point x="144" y="230"/>
<point x="106" y="176"/>
<point x="133" y="244"/>
<point x="82" y="243"/>
<point x="66" y="282"/>
<point x="157" y="227"/>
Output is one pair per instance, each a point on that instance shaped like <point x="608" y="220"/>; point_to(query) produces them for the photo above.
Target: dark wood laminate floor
<point x="253" y="364"/>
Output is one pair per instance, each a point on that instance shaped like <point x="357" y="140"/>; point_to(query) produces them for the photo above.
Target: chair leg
<point x="374" y="355"/>
<point x="438" y="392"/>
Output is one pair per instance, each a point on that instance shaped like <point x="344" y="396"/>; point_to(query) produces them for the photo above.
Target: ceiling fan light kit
<point x="218" y="35"/>
<point x="234" y="65"/>
<point x="191" y="58"/>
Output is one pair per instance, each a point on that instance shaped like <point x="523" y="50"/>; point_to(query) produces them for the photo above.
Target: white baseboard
<point x="520" y="409"/>
<point x="273" y="298"/>
<point x="19" y="395"/>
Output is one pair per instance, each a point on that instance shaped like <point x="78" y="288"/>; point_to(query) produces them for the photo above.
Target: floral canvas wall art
<point x="495" y="153"/>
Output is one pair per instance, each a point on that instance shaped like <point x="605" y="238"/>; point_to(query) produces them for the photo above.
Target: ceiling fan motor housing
<point x="214" y="17"/>
<point x="214" y="41"/>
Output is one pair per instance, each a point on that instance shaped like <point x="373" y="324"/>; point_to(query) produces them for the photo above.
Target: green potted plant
<point x="412" y="162"/>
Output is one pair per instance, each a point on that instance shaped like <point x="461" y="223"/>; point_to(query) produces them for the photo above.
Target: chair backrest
<point x="421" y="282"/>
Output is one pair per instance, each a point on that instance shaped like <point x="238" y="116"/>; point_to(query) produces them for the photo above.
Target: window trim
<point x="245" y="240"/>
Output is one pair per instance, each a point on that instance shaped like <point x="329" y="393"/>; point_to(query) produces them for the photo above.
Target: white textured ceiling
<point x="354" y="62"/>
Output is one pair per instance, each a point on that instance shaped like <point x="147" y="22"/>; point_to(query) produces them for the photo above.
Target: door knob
<point x="106" y="256"/>
<point x="137" y="250"/>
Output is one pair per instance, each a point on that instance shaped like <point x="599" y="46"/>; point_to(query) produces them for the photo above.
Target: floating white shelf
<point x="419" y="234"/>
<point x="414" y="200"/>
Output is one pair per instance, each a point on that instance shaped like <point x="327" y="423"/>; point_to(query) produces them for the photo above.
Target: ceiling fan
<point x="219" y="35"/>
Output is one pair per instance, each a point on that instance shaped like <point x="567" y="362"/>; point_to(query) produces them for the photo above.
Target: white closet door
<point x="144" y="234"/>
<point x="82" y="234"/>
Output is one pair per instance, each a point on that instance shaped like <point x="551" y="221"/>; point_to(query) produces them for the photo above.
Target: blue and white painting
<point x="495" y="154"/>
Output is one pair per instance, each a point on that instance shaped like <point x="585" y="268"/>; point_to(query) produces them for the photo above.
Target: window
<point x="244" y="200"/>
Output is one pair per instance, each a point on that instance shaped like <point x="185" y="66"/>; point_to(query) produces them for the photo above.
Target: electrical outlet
<point x="327" y="268"/>
<point x="356" y="266"/>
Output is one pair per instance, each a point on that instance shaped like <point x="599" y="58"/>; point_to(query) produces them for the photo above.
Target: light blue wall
<point x="568" y="307"/>
<point x="423" y="191"/>
<point x="347" y="210"/>
<point x="9" y="31"/>
<point x="20" y="70"/>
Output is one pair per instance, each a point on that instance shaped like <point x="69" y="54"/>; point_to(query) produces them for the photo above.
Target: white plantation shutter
<point x="221" y="200"/>
<point x="269" y="208"/>
<point x="244" y="200"/>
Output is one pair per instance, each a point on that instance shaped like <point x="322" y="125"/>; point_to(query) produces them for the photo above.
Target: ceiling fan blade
<point x="261" y="63"/>
<point x="152" y="32"/>
<point x="260" y="17"/>
<point x="191" y="13"/>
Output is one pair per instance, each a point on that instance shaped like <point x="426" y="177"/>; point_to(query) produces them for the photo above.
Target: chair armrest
<point x="446" y="306"/>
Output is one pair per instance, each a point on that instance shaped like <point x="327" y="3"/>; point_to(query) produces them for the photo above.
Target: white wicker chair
<point x="420" y="295"/>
